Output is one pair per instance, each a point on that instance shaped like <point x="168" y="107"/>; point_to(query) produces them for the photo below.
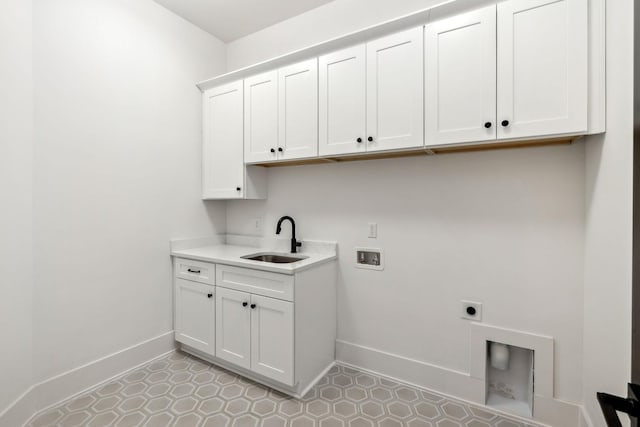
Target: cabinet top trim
<point x="438" y="11"/>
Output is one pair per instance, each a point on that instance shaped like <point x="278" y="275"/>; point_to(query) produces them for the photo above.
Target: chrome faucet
<point x="294" y="243"/>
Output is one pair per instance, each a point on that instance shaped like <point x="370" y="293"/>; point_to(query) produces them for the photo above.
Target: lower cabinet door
<point x="233" y="326"/>
<point x="195" y="315"/>
<point x="272" y="338"/>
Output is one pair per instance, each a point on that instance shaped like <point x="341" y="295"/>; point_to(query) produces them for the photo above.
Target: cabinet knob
<point x="273" y="150"/>
<point x="238" y="188"/>
<point x="280" y="149"/>
<point x="359" y="140"/>
<point x="209" y="295"/>
<point x="253" y="306"/>
<point x="370" y="139"/>
<point x="487" y="125"/>
<point x="505" y="123"/>
<point x="244" y="304"/>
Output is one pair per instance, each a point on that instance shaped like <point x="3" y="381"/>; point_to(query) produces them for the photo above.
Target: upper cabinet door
<point x="298" y="110"/>
<point x="222" y="163"/>
<point x="342" y="101"/>
<point x="542" y="67"/>
<point x="460" y="78"/>
<point x="395" y="117"/>
<point x="261" y="117"/>
<point x="233" y="326"/>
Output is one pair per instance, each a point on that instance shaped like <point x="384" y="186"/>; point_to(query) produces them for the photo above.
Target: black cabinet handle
<point x="280" y="149"/>
<point x="487" y="125"/>
<point x="505" y="123"/>
<point x="238" y="188"/>
<point x="273" y="150"/>
<point x="209" y="295"/>
<point x="193" y="271"/>
<point x="244" y="304"/>
<point x="370" y="139"/>
<point x="359" y="140"/>
<point x="253" y="306"/>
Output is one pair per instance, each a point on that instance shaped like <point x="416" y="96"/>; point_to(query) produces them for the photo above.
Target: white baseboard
<point x="448" y="382"/>
<point x="455" y="384"/>
<point x="20" y="411"/>
<point x="318" y="377"/>
<point x="57" y="389"/>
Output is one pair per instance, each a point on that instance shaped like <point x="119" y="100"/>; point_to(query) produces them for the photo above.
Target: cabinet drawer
<point x="195" y="271"/>
<point x="265" y="283"/>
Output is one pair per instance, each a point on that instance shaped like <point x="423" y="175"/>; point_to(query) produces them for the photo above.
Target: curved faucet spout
<point x="294" y="243"/>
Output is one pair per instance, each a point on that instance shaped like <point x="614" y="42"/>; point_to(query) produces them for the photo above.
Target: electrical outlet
<point x="471" y="310"/>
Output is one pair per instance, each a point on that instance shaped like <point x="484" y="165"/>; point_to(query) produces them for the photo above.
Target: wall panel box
<point x="531" y="392"/>
<point x="510" y="378"/>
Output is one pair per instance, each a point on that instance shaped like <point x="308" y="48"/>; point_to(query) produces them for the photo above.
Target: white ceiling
<point x="231" y="19"/>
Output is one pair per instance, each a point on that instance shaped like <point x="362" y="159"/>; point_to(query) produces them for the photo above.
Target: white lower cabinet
<point x="272" y="327"/>
<point x="233" y="327"/>
<point x="254" y="331"/>
<point x="195" y="308"/>
<point x="272" y="338"/>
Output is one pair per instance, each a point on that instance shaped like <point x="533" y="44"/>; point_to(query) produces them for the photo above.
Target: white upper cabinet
<point x="511" y="72"/>
<point x="222" y="164"/>
<point x="519" y="70"/>
<point x="460" y="78"/>
<point x="261" y="117"/>
<point x="395" y="92"/>
<point x="342" y="101"/>
<point x="542" y="67"/>
<point x="298" y="110"/>
<point x="371" y="96"/>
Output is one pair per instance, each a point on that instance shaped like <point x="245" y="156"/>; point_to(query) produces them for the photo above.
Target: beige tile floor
<point x="180" y="390"/>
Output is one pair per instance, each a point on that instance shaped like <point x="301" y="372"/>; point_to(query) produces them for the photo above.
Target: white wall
<point x="505" y="227"/>
<point x="118" y="135"/>
<point x="609" y="174"/>
<point x="16" y="161"/>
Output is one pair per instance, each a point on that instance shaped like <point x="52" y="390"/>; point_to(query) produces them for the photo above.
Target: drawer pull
<point x="193" y="271"/>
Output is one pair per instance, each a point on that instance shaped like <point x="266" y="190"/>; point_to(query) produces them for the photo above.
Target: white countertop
<point x="228" y="250"/>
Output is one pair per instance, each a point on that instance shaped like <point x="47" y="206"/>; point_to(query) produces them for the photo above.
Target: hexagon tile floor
<point x="179" y="390"/>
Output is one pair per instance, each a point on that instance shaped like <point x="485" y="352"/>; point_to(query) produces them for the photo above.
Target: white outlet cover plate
<point x="373" y="230"/>
<point x="463" y="310"/>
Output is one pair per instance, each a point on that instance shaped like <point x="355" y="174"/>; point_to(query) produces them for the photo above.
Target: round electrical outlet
<point x="471" y="310"/>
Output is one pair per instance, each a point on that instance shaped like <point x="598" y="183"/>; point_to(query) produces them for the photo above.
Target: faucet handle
<point x="298" y="244"/>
